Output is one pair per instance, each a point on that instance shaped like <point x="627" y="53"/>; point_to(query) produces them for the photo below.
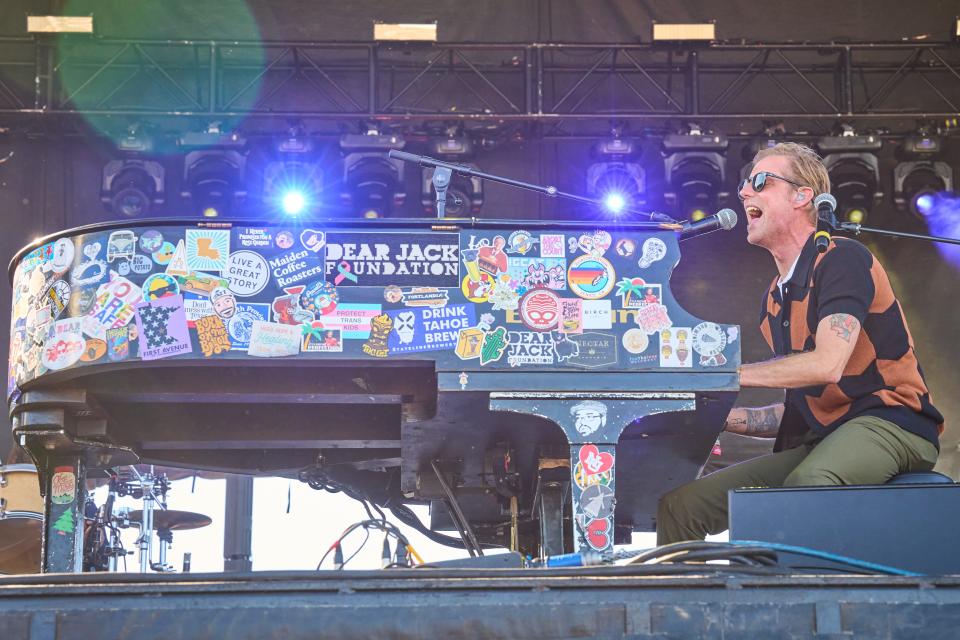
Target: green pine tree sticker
<point x="64" y="523"/>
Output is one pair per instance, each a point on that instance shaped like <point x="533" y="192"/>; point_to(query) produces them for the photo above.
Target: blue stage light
<point x="294" y="202"/>
<point x="923" y="202"/>
<point x="614" y="202"/>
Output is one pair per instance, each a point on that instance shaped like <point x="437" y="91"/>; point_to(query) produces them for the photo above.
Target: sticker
<point x="296" y="266"/>
<point x="597" y="314"/>
<point x="63" y="485"/>
<point x="588" y="416"/>
<point x="540" y="309"/>
<point x="57" y="296"/>
<point x="424" y="297"/>
<point x="247" y="273"/>
<point x="63" y="254"/>
<point x="212" y="335"/>
<point x="596" y="350"/>
<point x="115" y="306"/>
<point x="251" y="237"/>
<point x="591" y="277"/>
<point x="95" y="349"/>
<point x="491" y="258"/>
<point x="201" y="284"/>
<point x="675" y="347"/>
<point x="90" y="271"/>
<point x="402" y="259"/>
<point x="121" y="245"/>
<point x="625" y="247"/>
<point x="494" y="344"/>
<point x="392" y="294"/>
<point x="62" y="350"/>
<point x="118" y="344"/>
<point x="287" y="310"/>
<point x="284" y="240"/>
<point x="196" y="306"/>
<point x="529" y="347"/>
<point x="177" y="264"/>
<point x="163" y="325"/>
<point x="635" y="341"/>
<point x="503" y="298"/>
<point x="597" y="533"/>
<point x="353" y="320"/>
<point x="141" y="264"/>
<point x="571" y="315"/>
<point x="428" y="329"/>
<point x="320" y="298"/>
<point x="597" y="501"/>
<point x="469" y="343"/>
<point x="380" y="327"/>
<point x="318" y="339"/>
<point x="551" y="246"/>
<point x="635" y="292"/>
<point x="150" y="241"/>
<point x="654" y="250"/>
<point x="539" y="272"/>
<point x="164" y="254"/>
<point x="584" y="479"/>
<point x="223" y="302"/>
<point x="594" y="461"/>
<point x="521" y="242"/>
<point x="240" y="326"/>
<point x="708" y="339"/>
<point x="160" y="285"/>
<point x="564" y="347"/>
<point x="64" y="523"/>
<point x="478" y="290"/>
<point x="274" y="340"/>
<point x="594" y="245"/>
<point x="652" y="318"/>
<point x="312" y="240"/>
<point x="207" y="249"/>
<point x="463" y="379"/>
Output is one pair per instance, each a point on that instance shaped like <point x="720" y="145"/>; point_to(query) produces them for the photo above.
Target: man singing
<point x="857" y="408"/>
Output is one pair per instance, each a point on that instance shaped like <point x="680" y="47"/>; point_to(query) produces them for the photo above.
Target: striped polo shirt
<point x="882" y="378"/>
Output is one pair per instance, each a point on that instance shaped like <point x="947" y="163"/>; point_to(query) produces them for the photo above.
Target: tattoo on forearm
<point x="760" y="421"/>
<point x="843" y="324"/>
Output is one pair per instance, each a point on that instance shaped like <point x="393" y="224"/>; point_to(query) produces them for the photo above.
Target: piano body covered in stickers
<point x="542" y="370"/>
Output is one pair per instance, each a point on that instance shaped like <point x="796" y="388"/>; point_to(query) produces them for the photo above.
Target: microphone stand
<point x="447" y="168"/>
<point x="856" y="229"/>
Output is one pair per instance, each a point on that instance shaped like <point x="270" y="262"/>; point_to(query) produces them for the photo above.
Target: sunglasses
<point x="759" y="179"/>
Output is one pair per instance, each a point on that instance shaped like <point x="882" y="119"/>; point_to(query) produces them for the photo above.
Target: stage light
<point x="465" y="194"/>
<point x="854" y="170"/>
<point x="131" y="187"/>
<point x="920" y="176"/>
<point x="373" y="184"/>
<point x="614" y="202"/>
<point x="293" y="179"/>
<point x="214" y="172"/>
<point x="695" y="166"/>
<point x="684" y="32"/>
<point x="212" y="181"/>
<point x="294" y="203"/>
<point x="615" y="177"/>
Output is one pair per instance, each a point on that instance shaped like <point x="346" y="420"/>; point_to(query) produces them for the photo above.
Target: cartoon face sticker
<point x="589" y="416"/>
<point x="404" y="325"/>
<point x="224" y="302"/>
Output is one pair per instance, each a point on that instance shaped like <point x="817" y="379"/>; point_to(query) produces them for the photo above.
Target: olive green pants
<point x="865" y="450"/>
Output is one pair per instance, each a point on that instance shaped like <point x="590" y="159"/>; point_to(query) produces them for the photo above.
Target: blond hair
<point x="806" y="168"/>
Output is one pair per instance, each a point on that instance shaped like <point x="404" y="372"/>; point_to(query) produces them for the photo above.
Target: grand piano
<point x="536" y="383"/>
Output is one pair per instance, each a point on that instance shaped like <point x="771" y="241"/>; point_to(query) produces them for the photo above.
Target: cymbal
<point x="173" y="520"/>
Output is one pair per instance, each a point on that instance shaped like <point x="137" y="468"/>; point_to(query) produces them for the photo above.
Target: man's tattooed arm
<point x="759" y="422"/>
<point x="843" y="324"/>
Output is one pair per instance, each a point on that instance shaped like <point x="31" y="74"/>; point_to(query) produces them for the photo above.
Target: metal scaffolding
<point x="732" y="87"/>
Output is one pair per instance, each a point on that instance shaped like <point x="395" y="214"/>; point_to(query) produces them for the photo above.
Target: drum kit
<point x="21" y="521"/>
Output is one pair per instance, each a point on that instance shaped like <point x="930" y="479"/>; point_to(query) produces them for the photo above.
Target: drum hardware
<point x="21" y="519"/>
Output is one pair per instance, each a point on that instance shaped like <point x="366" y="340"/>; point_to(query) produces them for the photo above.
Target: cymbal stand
<point x="148" y="483"/>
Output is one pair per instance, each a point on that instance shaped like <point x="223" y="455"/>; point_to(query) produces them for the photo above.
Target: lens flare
<point x="614" y="202"/>
<point x="923" y="202"/>
<point x="294" y="202"/>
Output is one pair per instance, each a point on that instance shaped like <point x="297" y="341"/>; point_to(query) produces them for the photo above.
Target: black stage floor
<point x="607" y="602"/>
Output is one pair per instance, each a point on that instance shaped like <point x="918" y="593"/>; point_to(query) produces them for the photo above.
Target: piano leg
<point x="64" y="498"/>
<point x="594" y="495"/>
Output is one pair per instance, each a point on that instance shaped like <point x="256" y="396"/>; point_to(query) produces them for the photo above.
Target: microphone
<point x="826" y="222"/>
<point x="725" y="219"/>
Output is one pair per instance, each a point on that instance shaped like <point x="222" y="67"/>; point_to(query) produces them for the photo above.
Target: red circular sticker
<point x="540" y="309"/>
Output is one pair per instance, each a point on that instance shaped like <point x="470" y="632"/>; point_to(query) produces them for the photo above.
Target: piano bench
<point x="920" y="477"/>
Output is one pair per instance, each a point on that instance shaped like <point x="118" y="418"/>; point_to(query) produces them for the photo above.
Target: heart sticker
<point x="593" y="461"/>
<point x="313" y="240"/>
<point x="598" y="534"/>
